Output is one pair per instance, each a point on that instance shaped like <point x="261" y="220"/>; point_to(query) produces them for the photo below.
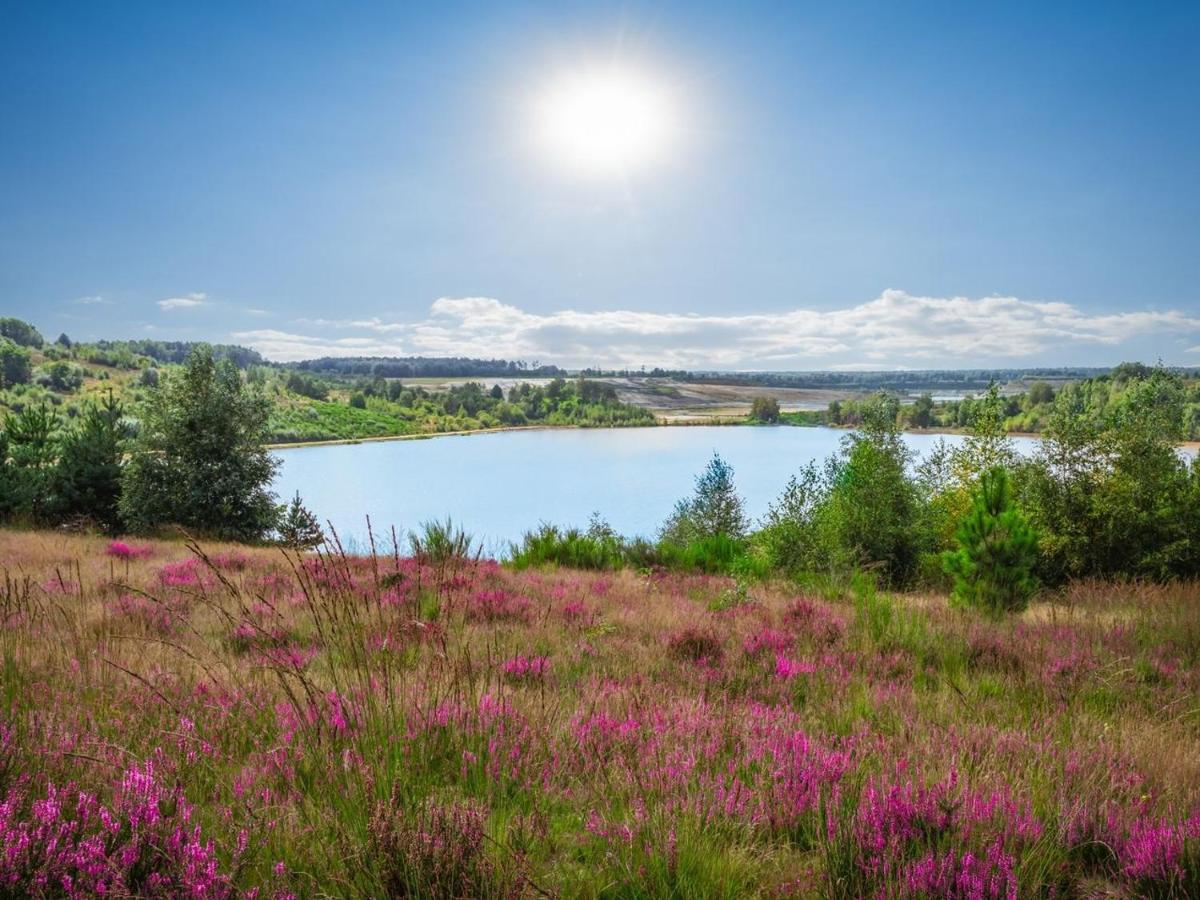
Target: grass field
<point x="226" y="720"/>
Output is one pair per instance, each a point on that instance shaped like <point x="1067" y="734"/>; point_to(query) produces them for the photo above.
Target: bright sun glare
<point x="608" y="120"/>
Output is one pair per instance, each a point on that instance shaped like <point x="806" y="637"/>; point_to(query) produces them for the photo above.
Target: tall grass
<point x="438" y="725"/>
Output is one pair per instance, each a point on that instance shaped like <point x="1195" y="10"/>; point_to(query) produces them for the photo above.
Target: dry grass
<point x="308" y="708"/>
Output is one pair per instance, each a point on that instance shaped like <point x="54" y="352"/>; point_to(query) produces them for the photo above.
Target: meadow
<point x="213" y="720"/>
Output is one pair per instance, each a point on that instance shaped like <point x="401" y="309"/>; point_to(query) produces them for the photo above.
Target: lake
<point x="501" y="484"/>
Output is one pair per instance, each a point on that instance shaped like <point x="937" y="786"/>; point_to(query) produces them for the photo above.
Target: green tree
<point x="1040" y="392"/>
<point x="200" y="459"/>
<point x="32" y="438"/>
<point x="1108" y="492"/>
<point x="15" y="366"/>
<point x="764" y="409"/>
<point x="298" y="526"/>
<point x="997" y="550"/>
<point x="87" y="480"/>
<point x="988" y="445"/>
<point x="870" y="516"/>
<point x="21" y="333"/>
<point x="789" y="535"/>
<point x="922" y="412"/>
<point x="713" y="509"/>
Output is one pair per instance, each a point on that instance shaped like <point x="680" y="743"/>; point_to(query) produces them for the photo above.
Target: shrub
<point x="440" y="542"/>
<point x="696" y="645"/>
<point x="572" y="548"/>
<point x="764" y="409"/>
<point x="439" y="851"/>
<point x="997" y="551"/>
<point x="299" y="527"/>
<point x="714" y="509"/>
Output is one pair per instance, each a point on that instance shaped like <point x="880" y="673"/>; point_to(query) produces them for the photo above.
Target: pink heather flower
<point x="789" y="668"/>
<point x="768" y="639"/>
<point x="122" y="550"/>
<point x="526" y="668"/>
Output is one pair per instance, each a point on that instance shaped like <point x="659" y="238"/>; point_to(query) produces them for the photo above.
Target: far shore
<point x="724" y="421"/>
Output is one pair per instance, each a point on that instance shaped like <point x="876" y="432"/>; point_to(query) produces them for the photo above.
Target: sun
<point x="606" y="120"/>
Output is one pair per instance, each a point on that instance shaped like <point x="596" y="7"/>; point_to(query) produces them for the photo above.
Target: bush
<point x="15" y="366"/>
<point x="764" y="409"/>
<point x="997" y="551"/>
<point x="298" y="527"/>
<point x="714" y="509"/>
<point x="440" y="542"/>
<point x="571" y="548"/>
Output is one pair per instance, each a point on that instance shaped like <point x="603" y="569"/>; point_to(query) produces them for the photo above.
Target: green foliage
<point x="921" y="415"/>
<point x="592" y="549"/>
<point x="32" y="439"/>
<point x="764" y="409"/>
<point x="987" y="444"/>
<point x="199" y="460"/>
<point x="789" y="536"/>
<point x="306" y="386"/>
<point x="997" y="550"/>
<point x="715" y="509"/>
<point x="871" y="511"/>
<point x="441" y="542"/>
<point x="21" y="333"/>
<point x="1109" y="494"/>
<point x="87" y="480"/>
<point x="15" y="365"/>
<point x="298" y="526"/>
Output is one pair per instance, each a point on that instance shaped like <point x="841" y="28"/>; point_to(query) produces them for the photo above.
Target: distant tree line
<point x="424" y="367"/>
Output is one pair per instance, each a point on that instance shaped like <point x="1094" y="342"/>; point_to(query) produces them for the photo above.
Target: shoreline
<point x="1193" y="446"/>
<point x="377" y="438"/>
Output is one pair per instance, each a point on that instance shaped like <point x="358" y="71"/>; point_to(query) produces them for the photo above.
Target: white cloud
<point x="95" y="300"/>
<point x="191" y="301"/>
<point x="895" y="330"/>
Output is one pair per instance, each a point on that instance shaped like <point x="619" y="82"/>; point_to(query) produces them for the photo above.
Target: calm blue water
<point x="500" y="485"/>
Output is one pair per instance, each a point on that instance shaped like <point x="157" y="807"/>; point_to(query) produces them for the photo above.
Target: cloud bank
<point x="895" y="330"/>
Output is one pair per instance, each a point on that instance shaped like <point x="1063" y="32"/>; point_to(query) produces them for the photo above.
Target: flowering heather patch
<point x="228" y="721"/>
<point x="525" y="668"/>
<point x="122" y="550"/>
<point x="499" y="606"/>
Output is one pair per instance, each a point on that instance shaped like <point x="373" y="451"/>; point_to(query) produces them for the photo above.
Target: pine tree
<point x="997" y="551"/>
<point x="87" y="480"/>
<point x="299" y="526"/>
<point x="32" y="438"/>
<point x="714" y="509"/>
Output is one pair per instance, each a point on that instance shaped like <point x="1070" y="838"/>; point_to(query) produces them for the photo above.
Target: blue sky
<point x="850" y="185"/>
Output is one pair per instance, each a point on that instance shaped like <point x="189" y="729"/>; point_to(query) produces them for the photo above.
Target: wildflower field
<point x="218" y="720"/>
